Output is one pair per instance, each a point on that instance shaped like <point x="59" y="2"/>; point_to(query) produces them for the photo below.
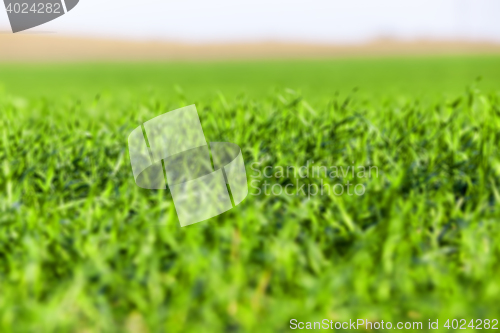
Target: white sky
<point x="279" y="20"/>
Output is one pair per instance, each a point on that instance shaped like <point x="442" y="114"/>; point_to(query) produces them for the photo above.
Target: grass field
<point x="83" y="249"/>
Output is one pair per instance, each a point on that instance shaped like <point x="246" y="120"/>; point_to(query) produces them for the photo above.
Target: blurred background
<point x="178" y="29"/>
<point x="312" y="21"/>
<point x="232" y="46"/>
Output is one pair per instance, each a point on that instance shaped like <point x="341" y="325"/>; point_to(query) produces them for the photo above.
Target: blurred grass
<point x="83" y="249"/>
<point x="315" y="78"/>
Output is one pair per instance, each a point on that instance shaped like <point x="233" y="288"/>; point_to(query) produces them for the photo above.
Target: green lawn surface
<point x="315" y="78"/>
<point x="83" y="249"/>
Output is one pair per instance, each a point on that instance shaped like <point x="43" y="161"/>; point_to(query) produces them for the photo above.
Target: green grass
<point x="83" y="249"/>
<point x="318" y="79"/>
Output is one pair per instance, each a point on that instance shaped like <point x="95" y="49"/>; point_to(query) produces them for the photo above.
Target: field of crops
<point x="83" y="249"/>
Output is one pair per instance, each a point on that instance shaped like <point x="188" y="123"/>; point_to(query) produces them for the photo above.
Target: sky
<point x="323" y="21"/>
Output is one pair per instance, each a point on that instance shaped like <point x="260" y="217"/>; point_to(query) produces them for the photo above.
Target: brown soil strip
<point x="46" y="47"/>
